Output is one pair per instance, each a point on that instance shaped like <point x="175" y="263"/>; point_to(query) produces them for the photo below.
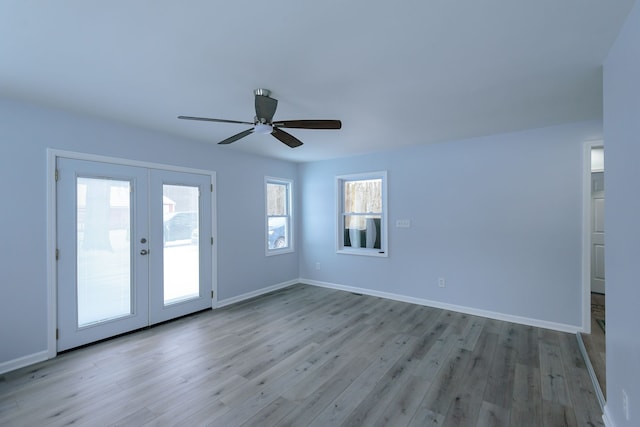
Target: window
<point x="362" y="206"/>
<point x="279" y="221"/>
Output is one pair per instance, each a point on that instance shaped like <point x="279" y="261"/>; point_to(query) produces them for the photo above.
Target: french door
<point x="130" y="252"/>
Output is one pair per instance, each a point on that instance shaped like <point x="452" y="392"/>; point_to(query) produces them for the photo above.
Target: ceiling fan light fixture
<point x="263" y="128"/>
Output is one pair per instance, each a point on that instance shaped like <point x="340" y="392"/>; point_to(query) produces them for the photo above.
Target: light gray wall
<point x="27" y="131"/>
<point x="499" y="217"/>
<point x="622" y="220"/>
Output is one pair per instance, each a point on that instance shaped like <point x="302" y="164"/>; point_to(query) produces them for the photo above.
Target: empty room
<point x="328" y="214"/>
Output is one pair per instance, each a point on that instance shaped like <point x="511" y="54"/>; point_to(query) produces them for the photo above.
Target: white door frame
<point x="586" y="234"/>
<point x="52" y="271"/>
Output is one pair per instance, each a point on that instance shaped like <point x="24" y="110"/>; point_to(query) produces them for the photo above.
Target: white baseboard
<point x="254" y="294"/>
<point x="592" y="372"/>
<point x="561" y="327"/>
<point x="606" y="418"/>
<point x="21" y="362"/>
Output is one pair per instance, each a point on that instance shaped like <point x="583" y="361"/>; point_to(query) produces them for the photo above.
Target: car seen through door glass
<point x="180" y="226"/>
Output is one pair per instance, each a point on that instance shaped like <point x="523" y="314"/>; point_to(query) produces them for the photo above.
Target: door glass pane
<point x="181" y="243"/>
<point x="104" y="250"/>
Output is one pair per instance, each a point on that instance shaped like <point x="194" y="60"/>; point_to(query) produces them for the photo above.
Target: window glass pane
<point x="362" y="231"/>
<point x="363" y="196"/>
<point x="278" y="232"/>
<point x="103" y="250"/>
<point x="277" y="199"/>
<point x="181" y="243"/>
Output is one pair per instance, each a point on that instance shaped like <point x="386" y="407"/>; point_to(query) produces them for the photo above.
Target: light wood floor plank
<point x="555" y="414"/>
<point x="492" y="416"/>
<point x="310" y="406"/>
<point x="500" y="382"/>
<point x="526" y="407"/>
<point x="437" y="356"/>
<point x="426" y="417"/>
<point x="247" y="400"/>
<point x="384" y="358"/>
<point x="386" y="388"/>
<point x="445" y="387"/>
<point x="554" y="385"/>
<point x="330" y="357"/>
<point x="468" y="401"/>
<point x="404" y="404"/>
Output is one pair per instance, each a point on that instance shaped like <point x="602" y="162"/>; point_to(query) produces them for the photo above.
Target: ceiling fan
<point x="263" y="122"/>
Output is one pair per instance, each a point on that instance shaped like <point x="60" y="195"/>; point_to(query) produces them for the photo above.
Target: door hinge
<point x="57" y="254"/>
<point x="212" y="188"/>
<point x="211" y="294"/>
<point x="57" y="175"/>
<point x="212" y="241"/>
<point x="57" y="333"/>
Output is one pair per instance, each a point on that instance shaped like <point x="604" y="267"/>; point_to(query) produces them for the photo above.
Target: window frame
<point x="384" y="235"/>
<point x="289" y="217"/>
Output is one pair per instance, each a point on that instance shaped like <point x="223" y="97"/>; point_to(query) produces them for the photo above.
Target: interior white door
<point x="130" y="252"/>
<point x="102" y="264"/>
<point x="597" y="233"/>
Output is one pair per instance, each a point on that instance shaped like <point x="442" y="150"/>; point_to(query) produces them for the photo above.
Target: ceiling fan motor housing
<point x="262" y="92"/>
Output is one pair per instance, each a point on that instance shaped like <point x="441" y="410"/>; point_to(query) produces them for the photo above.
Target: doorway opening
<point x="594" y="292"/>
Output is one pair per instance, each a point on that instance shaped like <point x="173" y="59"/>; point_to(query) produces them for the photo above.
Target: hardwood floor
<point x="308" y="356"/>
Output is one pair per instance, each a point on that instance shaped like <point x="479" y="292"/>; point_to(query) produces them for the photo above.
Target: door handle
<point x="144" y="252"/>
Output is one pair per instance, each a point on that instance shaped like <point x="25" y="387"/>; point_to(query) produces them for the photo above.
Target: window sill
<point x="364" y="252"/>
<point x="272" y="252"/>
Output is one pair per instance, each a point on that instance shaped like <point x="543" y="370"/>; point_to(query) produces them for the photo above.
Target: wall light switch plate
<point x="403" y="223"/>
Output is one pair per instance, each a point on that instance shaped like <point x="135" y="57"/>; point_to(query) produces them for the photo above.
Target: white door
<point x="179" y="261"/>
<point x="129" y="255"/>
<point x="597" y="232"/>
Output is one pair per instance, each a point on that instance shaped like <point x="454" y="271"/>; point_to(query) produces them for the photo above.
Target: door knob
<point x="144" y="252"/>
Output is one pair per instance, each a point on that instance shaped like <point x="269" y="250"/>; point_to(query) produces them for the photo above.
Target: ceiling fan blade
<point x="265" y="107"/>
<point x="237" y="136"/>
<point x="207" y="119"/>
<point x="309" y="124"/>
<point x="287" y="138"/>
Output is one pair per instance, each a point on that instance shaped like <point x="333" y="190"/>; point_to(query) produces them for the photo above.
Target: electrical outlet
<point x="625" y="404"/>
<point x="441" y="282"/>
<point x="317" y="266"/>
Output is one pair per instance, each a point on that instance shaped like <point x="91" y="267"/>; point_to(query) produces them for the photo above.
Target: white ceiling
<point x="395" y="73"/>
